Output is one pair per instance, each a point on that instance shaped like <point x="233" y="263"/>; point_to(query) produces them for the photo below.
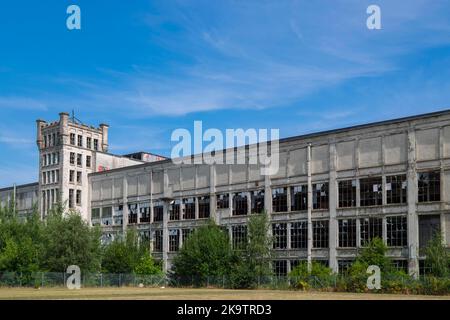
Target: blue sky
<point x="149" y="67"/>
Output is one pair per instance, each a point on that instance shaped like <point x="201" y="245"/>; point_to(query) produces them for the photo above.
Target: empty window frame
<point x="397" y="231"/>
<point x="280" y="268"/>
<point x="95" y="214"/>
<point x="347" y="193"/>
<point x="279" y="233"/>
<point x="347" y="233"/>
<point x="240" y="205"/>
<point x="79" y="177"/>
<point x="95" y="144"/>
<point x="320" y="196"/>
<point x="158" y="241"/>
<point x="80" y="141"/>
<point x="295" y="263"/>
<point x="257" y="200"/>
<point x="320" y="234"/>
<point x="175" y="210"/>
<point x="144" y="212"/>
<point x="223" y="201"/>
<point x="88" y="161"/>
<point x="299" y="235"/>
<point x="174" y="240"/>
<point x="89" y="142"/>
<point x="279" y="199"/>
<point x="239" y="236"/>
<point x="185" y="234"/>
<point x="400" y="265"/>
<point x="107" y="216"/>
<point x="71" y="176"/>
<point x="429" y="186"/>
<point x="370" y="228"/>
<point x="396" y="189"/>
<point x="132" y="213"/>
<point x="203" y="207"/>
<point x="299" y="198"/>
<point x="72" y="139"/>
<point x="371" y="192"/>
<point x="189" y="208"/>
<point x="344" y="266"/>
<point x="158" y="212"/>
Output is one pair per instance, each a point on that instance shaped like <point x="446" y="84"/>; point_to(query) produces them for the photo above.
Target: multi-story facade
<point x="333" y="192"/>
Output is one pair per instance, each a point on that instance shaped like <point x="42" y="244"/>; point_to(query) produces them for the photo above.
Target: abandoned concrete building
<point x="334" y="190"/>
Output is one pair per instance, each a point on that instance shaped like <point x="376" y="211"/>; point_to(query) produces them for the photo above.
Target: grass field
<point x="193" y="294"/>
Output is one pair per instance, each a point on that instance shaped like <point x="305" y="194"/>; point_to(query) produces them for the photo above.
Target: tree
<point x="147" y="266"/>
<point x="254" y="260"/>
<point x="437" y="257"/>
<point x="206" y="253"/>
<point x="69" y="240"/>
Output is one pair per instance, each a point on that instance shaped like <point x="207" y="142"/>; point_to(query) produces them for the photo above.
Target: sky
<point x="149" y="67"/>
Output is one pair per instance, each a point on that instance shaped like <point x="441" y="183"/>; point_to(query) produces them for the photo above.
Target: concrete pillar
<point x="310" y="227"/>
<point x="332" y="198"/>
<point x="125" y="204"/>
<point x="64" y="127"/>
<point x="212" y="195"/>
<point x="165" y="247"/>
<point x="413" y="221"/>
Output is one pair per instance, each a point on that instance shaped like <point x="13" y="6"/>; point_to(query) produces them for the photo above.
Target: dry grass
<point x="193" y="294"/>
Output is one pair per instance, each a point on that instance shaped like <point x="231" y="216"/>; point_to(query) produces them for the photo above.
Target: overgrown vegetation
<point x="32" y="245"/>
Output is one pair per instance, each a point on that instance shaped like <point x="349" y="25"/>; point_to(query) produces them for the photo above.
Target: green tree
<point x="437" y="257"/>
<point x="147" y="266"/>
<point x="69" y="240"/>
<point x="253" y="259"/>
<point x="206" y="253"/>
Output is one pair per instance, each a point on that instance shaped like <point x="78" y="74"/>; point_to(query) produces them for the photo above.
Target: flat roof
<point x="20" y="186"/>
<point x="308" y="135"/>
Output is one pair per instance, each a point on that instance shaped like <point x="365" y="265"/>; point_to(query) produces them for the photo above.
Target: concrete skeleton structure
<point x="333" y="192"/>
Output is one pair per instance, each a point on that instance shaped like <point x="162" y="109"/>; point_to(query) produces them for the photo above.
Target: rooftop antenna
<point x="74" y="119"/>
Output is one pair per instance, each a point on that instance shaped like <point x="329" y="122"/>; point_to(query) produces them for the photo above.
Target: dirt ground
<point x="194" y="294"/>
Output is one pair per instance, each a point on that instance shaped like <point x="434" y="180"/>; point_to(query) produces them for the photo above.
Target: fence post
<point x="101" y="280"/>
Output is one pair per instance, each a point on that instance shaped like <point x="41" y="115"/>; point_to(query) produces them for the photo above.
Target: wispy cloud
<point x="22" y="103"/>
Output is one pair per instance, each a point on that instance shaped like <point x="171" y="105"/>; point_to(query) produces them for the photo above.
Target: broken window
<point x="95" y="216"/>
<point x="280" y="268"/>
<point x="88" y="161"/>
<point x="429" y="186"/>
<point x="89" y="142"/>
<point x="132" y="213"/>
<point x="189" y="208"/>
<point x="158" y="212"/>
<point x="78" y="199"/>
<point x="106" y="216"/>
<point x="320" y="234"/>
<point x="118" y="215"/>
<point x="320" y="196"/>
<point x="203" y="207"/>
<point x="257" y="199"/>
<point x="79" y="159"/>
<point x="370" y="228"/>
<point x="299" y="235"/>
<point x="78" y="176"/>
<point x="396" y="189"/>
<point x="240" y="206"/>
<point x="186" y="234"/>
<point x="279" y="199"/>
<point x="71" y="195"/>
<point x="347" y="233"/>
<point x="295" y="263"/>
<point x="299" y="198"/>
<point x="80" y="141"/>
<point x="347" y="193"/>
<point x="223" y="201"/>
<point x="72" y="139"/>
<point x="95" y="144"/>
<point x="279" y="233"/>
<point x="400" y="265"/>
<point x="344" y="266"/>
<point x="71" y="176"/>
<point x="371" y="192"/>
<point x="397" y="235"/>
<point x="72" y="158"/>
<point x="174" y="240"/>
<point x="158" y="241"/>
<point x="175" y="210"/>
<point x="239" y="236"/>
<point x="144" y="210"/>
